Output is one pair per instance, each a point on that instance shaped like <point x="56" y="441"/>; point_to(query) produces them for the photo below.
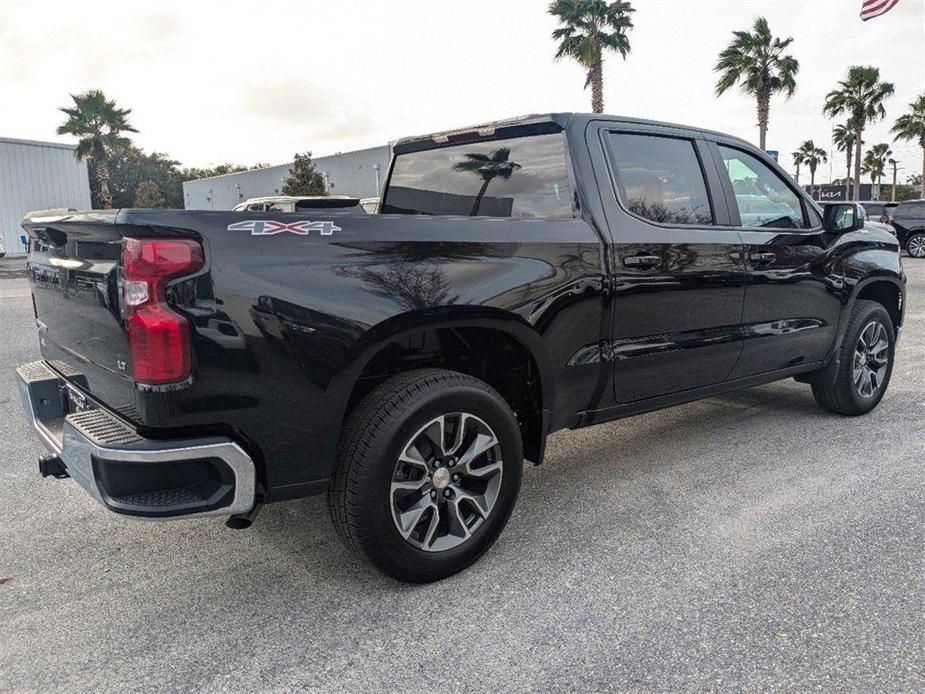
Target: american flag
<point x="875" y="8"/>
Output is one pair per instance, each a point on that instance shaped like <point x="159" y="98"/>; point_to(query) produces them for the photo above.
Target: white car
<point x="298" y="203"/>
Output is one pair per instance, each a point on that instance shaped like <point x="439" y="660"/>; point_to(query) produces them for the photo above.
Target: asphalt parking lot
<point x="749" y="541"/>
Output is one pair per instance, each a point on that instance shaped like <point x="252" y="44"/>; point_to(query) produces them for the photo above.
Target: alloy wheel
<point x="916" y="246"/>
<point x="871" y="358"/>
<point x="446" y="482"/>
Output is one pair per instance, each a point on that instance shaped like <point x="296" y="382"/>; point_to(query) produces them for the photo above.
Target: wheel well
<point x="887" y="295"/>
<point x="485" y="353"/>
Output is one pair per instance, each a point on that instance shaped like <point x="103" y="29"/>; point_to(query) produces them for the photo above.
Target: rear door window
<point x="523" y="178"/>
<point x="660" y="179"/>
<point x="764" y="198"/>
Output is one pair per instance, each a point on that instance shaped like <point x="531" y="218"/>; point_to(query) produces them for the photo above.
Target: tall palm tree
<point x="757" y="60"/>
<point x="874" y="163"/>
<point x="843" y="136"/>
<point x="488" y="167"/>
<point x="812" y="156"/>
<point x="911" y="126"/>
<point x="99" y="124"/>
<point x="591" y="28"/>
<point x="860" y="96"/>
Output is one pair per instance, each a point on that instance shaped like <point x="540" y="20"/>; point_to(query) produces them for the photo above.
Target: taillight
<point x="158" y="337"/>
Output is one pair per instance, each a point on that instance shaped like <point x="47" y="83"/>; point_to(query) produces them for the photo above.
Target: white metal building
<point x="359" y="174"/>
<point x="37" y="176"/>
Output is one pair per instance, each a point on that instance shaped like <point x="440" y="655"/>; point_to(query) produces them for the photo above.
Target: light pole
<point x="895" y="168"/>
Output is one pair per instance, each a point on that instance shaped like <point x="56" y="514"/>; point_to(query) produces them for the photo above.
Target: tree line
<point x="123" y="175"/>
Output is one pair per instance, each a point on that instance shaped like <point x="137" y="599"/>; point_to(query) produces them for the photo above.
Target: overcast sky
<point x="249" y="82"/>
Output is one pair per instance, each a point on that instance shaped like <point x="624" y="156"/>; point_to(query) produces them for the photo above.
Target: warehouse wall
<point x="349" y="173"/>
<point x="37" y="176"/>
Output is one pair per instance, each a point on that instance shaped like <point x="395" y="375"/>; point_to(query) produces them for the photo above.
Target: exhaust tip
<point x="242" y="521"/>
<point x="239" y="523"/>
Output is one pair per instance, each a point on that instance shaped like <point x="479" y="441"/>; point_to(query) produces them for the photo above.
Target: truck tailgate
<point x="74" y="271"/>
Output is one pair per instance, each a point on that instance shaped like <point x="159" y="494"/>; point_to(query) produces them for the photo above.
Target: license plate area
<point x="76" y="401"/>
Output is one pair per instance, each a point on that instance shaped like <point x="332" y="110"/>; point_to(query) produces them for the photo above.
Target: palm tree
<point x="860" y="96"/>
<point x="874" y="163"/>
<point x="911" y="126"/>
<point x="488" y="167"/>
<point x="812" y="156"/>
<point x="757" y="60"/>
<point x="99" y="124"/>
<point x="591" y="28"/>
<point x="843" y="136"/>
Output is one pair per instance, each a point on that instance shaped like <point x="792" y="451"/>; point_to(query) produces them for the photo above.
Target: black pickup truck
<point x="522" y="277"/>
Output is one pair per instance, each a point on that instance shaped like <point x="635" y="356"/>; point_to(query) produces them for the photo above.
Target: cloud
<point x="77" y="50"/>
<point x="329" y="115"/>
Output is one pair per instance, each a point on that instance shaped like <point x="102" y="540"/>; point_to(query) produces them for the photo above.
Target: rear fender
<point x="379" y="337"/>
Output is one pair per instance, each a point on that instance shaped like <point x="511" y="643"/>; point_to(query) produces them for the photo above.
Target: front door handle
<point x="642" y="260"/>
<point x="762" y="258"/>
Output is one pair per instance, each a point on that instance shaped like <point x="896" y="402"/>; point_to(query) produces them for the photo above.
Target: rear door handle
<point x="762" y="258"/>
<point x="642" y="260"/>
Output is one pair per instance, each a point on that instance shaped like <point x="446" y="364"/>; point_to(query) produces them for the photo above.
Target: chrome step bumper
<point x="129" y="474"/>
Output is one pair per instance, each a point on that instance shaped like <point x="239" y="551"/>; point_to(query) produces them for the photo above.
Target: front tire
<point x="915" y="246"/>
<point x="428" y="473"/>
<point x="866" y="363"/>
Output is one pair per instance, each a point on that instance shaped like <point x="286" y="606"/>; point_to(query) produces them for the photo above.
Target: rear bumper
<point x="129" y="474"/>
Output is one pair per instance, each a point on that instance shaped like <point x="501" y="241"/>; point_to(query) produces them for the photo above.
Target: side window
<point x="764" y="199"/>
<point x="659" y="178"/>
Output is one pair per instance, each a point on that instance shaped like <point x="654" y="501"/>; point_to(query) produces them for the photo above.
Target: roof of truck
<point x="534" y="123"/>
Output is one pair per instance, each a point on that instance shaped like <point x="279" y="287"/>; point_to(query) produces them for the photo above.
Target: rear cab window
<point x="519" y="178"/>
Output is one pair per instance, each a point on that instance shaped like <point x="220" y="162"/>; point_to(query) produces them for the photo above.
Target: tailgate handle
<point x="642" y="261"/>
<point x="763" y="258"/>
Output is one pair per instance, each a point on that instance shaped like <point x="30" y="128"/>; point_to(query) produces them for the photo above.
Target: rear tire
<point x="866" y="363"/>
<point x="413" y="490"/>
<point x="915" y="245"/>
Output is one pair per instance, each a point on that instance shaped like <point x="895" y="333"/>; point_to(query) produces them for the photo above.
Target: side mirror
<point x="843" y="217"/>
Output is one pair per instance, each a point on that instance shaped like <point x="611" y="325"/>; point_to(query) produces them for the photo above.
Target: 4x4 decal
<point x="269" y="227"/>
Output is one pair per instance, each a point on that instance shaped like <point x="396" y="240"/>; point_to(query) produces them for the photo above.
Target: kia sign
<point x="829" y="192"/>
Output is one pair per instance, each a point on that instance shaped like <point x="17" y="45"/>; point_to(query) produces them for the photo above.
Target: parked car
<point x="522" y="277"/>
<point x="908" y="219"/>
<point x="296" y="203"/>
<point x="878" y="210"/>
